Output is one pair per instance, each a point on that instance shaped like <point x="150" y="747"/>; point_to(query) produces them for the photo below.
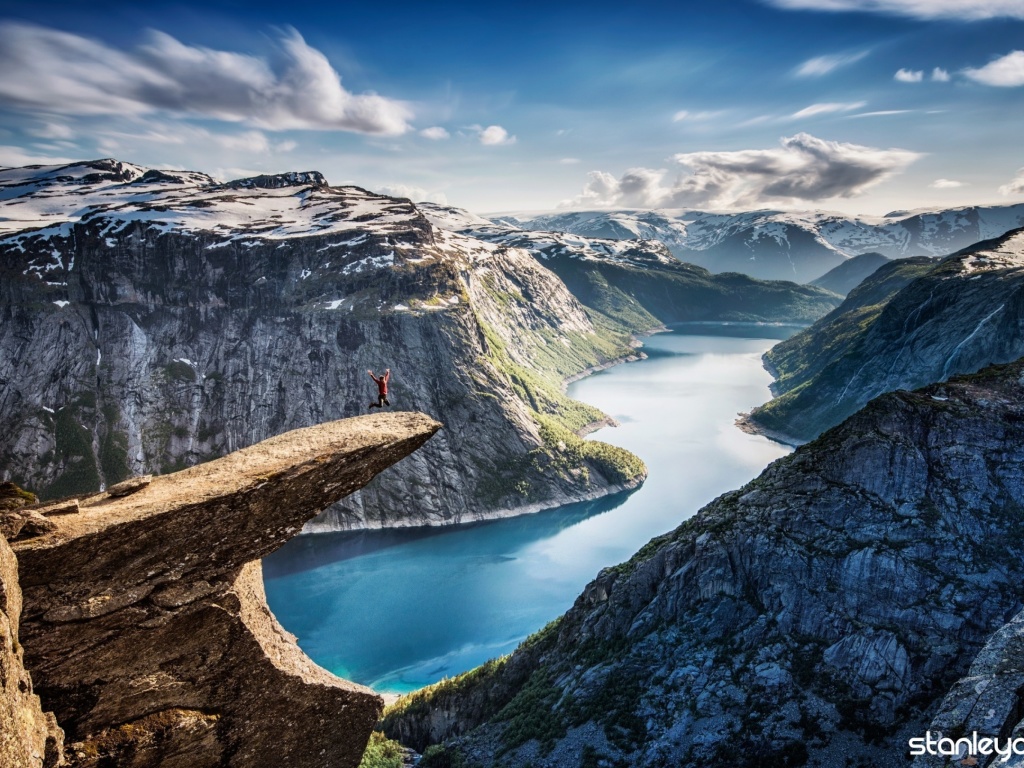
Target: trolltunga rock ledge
<point x="145" y="624"/>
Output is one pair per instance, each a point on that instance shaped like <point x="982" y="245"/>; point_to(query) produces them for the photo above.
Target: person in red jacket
<point x="382" y="389"/>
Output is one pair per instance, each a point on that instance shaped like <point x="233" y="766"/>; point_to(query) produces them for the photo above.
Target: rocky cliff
<point x="144" y="624"/>
<point x="168" y="320"/>
<point x="913" y="322"/>
<point x="816" y="616"/>
<point x="152" y="320"/>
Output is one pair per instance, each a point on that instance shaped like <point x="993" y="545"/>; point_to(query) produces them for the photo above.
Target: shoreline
<point x="746" y="424"/>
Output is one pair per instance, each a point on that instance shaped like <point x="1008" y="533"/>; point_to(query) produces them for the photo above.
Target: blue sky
<point x="863" y="106"/>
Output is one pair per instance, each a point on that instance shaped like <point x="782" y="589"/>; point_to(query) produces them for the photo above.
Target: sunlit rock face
<point x="144" y="622"/>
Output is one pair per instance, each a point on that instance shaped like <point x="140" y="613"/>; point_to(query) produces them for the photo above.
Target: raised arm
<point x="372" y="376"/>
<point x="387" y="374"/>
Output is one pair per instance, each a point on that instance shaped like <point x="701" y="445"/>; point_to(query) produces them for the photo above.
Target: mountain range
<point x="779" y="245"/>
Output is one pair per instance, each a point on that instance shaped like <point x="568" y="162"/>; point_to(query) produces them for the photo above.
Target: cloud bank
<point x="63" y="73"/>
<point x="966" y="10"/>
<point x="803" y="168"/>
<point x="1006" y="71"/>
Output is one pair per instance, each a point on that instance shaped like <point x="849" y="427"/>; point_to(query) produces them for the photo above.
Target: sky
<point x="860" y="106"/>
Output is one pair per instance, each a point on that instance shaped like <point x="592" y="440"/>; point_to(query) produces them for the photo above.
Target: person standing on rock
<point x="382" y="389"/>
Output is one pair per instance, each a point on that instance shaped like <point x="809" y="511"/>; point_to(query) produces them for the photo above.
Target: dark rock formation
<point x="145" y="625"/>
<point x="819" y="613"/>
<point x="913" y="322"/>
<point x="988" y="702"/>
<point x="29" y="737"/>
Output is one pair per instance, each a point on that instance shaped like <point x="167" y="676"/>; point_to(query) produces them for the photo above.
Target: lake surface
<point x="397" y="610"/>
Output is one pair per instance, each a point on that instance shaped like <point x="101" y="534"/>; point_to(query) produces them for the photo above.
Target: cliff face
<point x="145" y="626"/>
<point x="29" y="737"/>
<point x="819" y="613"/>
<point x="177" y="320"/>
<point x="911" y="323"/>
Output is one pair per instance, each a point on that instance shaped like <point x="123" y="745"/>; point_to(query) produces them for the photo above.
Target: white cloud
<point x="17" y="157"/>
<point x="1006" y="71"/>
<point x="679" y="116"/>
<point x="827" y="108"/>
<point x="965" y="10"/>
<point x="494" y="136"/>
<point x="435" y="133"/>
<point x="939" y="75"/>
<point x="823" y="65"/>
<point x="64" y="73"/>
<point x="947" y="184"/>
<point x="1015" y="185"/>
<point x="908" y="76"/>
<point x="569" y="161"/>
<point x="414" y="193"/>
<point x="804" y="168"/>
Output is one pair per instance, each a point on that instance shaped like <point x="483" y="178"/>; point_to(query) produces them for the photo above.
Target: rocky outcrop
<point x="29" y="737"/>
<point x="817" y="615"/>
<point x="913" y="322"/>
<point x="988" y="703"/>
<point x="145" y="625"/>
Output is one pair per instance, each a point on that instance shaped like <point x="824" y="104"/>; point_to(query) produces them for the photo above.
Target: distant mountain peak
<point x="280" y="180"/>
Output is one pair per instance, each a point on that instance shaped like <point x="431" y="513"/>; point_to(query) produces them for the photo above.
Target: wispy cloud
<point x="435" y="133"/>
<point x="1006" y="71"/>
<point x="827" y="108"/>
<point x="685" y="115"/>
<point x="823" y="65"/>
<point x="569" y="161"/>
<point x="908" y="76"/>
<point x="1015" y="186"/>
<point x="63" y="73"/>
<point x="803" y="168"/>
<point x="947" y="184"/>
<point x="881" y="113"/>
<point x="939" y="75"/>
<point x="966" y="10"/>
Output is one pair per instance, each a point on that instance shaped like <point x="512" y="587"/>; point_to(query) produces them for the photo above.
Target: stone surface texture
<point x="144" y="620"/>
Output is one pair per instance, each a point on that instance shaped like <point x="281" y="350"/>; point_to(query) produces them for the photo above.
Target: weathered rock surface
<point x="146" y="628"/>
<point x="818" y="614"/>
<point x="988" y="701"/>
<point x="913" y="322"/>
<point x="29" y="737"/>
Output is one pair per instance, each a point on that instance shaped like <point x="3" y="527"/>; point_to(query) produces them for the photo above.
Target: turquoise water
<point x="397" y="610"/>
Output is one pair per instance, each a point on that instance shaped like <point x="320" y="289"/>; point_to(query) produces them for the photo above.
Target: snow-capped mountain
<point x="786" y="245"/>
